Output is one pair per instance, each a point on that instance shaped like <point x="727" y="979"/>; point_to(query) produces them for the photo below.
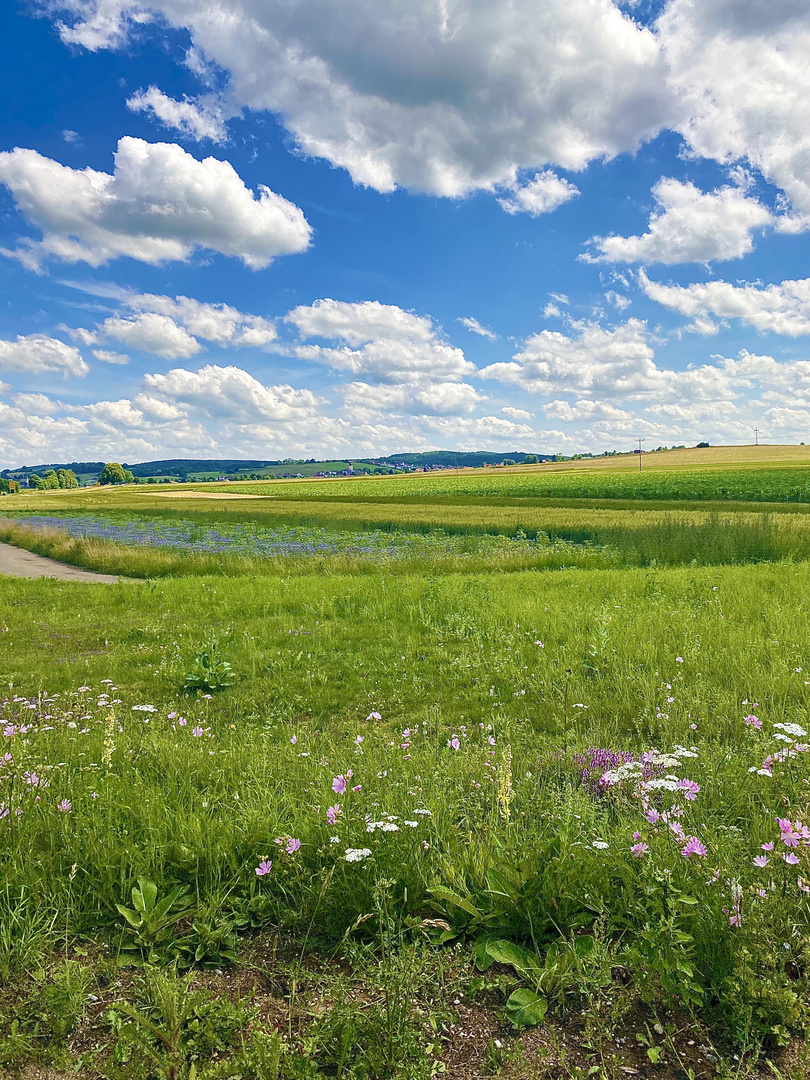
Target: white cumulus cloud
<point x="613" y="363"/>
<point x="108" y="357"/>
<point x="418" y="398"/>
<point x="159" y="204"/>
<point x="230" y="392"/>
<point x="690" y="226"/>
<point x="777" y="309"/>
<point x="445" y="98"/>
<point x="152" y="333"/>
<point x="739" y="70"/>
<point x="195" y="119"/>
<point x="38" y="354"/>
<point x="390" y="344"/>
<point x="544" y="193"/>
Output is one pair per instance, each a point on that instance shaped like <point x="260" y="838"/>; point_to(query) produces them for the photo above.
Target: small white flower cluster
<point x="357" y="854"/>
<point x="790" y="729"/>
<point x="665" y="783"/>
<point x="144" y="708"/>
<point x="634" y="770"/>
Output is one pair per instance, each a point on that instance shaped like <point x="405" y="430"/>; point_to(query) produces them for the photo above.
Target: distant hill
<point x="458" y="458"/>
<point x="240" y="468"/>
<point x="87" y="467"/>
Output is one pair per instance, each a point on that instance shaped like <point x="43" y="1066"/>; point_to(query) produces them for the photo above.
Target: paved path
<point x="20" y="563"/>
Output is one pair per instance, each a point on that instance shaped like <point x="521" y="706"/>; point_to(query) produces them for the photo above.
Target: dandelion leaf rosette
<point x="525" y="1008"/>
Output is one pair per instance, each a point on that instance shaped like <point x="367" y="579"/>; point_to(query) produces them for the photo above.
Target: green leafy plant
<point x="173" y="1027"/>
<point x="209" y="672"/>
<point x="550" y="978"/>
<point x="149" y="922"/>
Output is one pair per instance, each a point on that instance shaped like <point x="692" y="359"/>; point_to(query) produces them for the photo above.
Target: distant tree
<point x="113" y="473"/>
<point x="50" y="481"/>
<point x="531" y="459"/>
<point x="507" y="461"/>
<point x="67" y="478"/>
<point x="702" y="445"/>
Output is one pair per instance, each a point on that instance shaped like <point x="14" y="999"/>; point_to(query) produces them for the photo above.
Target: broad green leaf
<point x="583" y="946"/>
<point x="525" y="1008"/>
<point x="481" y="957"/>
<point x="506" y="952"/>
<point x="148" y="892"/>
<point x="450" y="897"/>
<point x="133" y="917"/>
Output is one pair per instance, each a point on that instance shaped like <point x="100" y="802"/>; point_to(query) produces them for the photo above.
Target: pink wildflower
<point x="454" y="742"/>
<point x="264" y="867"/>
<point x="652" y="816"/>
<point x="768" y="846"/>
<point x="65" y="806"/>
<point x="790" y="858"/>
<point x="761" y="860"/>
<point x="693" y="846"/>
<point x="197" y="732"/>
<point x="292" y="846"/>
<point x="638" y="851"/>
<point x="753" y="721"/>
<point x="690" y="789"/>
<point x="374" y="715"/>
<point x="332" y="813"/>
<point x="339" y="785"/>
<point x="803" y="885"/>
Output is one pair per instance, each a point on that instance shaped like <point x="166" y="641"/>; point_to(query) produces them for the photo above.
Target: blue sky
<point x="258" y="228"/>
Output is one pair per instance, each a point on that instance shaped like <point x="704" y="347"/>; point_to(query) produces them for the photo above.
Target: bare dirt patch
<point x="19" y="563"/>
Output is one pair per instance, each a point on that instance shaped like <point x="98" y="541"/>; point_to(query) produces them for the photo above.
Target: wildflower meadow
<point x="458" y="819"/>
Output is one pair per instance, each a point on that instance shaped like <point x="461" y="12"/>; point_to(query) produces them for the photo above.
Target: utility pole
<point x="639" y="441"/>
<point x="756" y="436"/>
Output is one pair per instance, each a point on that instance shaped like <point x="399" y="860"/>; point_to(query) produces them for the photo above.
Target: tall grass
<point x="565" y="538"/>
<point x="486" y="687"/>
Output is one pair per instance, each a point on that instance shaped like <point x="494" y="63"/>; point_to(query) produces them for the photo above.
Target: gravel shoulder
<point x="20" y="563"/>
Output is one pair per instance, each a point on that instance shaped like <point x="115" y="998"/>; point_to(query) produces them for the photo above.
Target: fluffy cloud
<point x="540" y="195"/>
<point x="230" y="392"/>
<point x="516" y="414"/>
<point x="169" y="327"/>
<point x="159" y="204"/>
<point x="419" y="399"/>
<point x="358" y="323"/>
<point x="777" y="309"/>
<point x="739" y="70"/>
<point x="611" y="363"/>
<point x="444" y="98"/>
<point x="108" y="357"/>
<point x="458" y="95"/>
<point x="220" y="323"/>
<point x="689" y="226"/>
<point x="476" y="328"/>
<point x="194" y="119"/>
<point x="584" y="409"/>
<point x="391" y="345"/>
<point x="152" y="333"/>
<point x="38" y="354"/>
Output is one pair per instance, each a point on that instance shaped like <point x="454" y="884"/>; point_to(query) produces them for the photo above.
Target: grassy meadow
<point x="449" y="782"/>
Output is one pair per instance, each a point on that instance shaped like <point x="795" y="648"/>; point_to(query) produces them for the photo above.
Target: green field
<point x="529" y="808"/>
